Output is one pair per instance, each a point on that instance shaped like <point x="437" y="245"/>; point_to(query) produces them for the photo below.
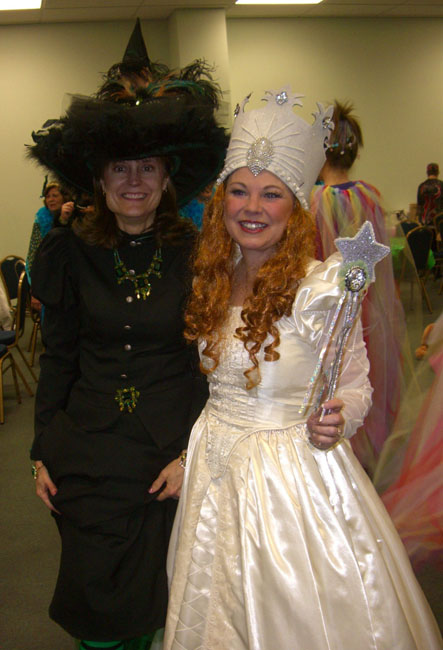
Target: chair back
<point x="11" y="268"/>
<point x="407" y="225"/>
<point x="420" y="241"/>
<point x="23" y="296"/>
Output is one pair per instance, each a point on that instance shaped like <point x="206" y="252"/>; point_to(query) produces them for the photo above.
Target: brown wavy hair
<point x="99" y="227"/>
<point x="272" y="296"/>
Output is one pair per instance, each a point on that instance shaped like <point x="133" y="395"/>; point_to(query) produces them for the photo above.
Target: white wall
<point x="390" y="68"/>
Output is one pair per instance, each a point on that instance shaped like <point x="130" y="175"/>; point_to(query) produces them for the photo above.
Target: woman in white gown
<point x="280" y="540"/>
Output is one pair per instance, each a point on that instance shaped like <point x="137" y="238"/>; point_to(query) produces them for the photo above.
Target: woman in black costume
<point x="119" y="389"/>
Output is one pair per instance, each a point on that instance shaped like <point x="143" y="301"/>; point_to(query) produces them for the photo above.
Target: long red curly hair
<point x="272" y="296"/>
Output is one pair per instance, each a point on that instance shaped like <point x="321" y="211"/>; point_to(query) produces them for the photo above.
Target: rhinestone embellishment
<point x="237" y="110"/>
<point x="282" y="98"/>
<point x="355" y="279"/>
<point x="259" y="155"/>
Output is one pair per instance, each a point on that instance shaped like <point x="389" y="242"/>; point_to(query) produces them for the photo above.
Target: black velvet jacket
<point x="99" y="338"/>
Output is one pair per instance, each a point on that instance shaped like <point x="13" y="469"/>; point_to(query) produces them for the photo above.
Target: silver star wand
<point x="360" y="255"/>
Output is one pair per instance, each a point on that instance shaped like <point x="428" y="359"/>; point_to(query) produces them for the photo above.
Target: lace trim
<point x="219" y="447"/>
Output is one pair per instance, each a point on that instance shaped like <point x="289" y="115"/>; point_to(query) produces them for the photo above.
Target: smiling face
<point x="133" y="190"/>
<point x="54" y="199"/>
<point x="256" y="211"/>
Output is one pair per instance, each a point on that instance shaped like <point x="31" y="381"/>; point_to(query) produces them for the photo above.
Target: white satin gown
<point x="278" y="545"/>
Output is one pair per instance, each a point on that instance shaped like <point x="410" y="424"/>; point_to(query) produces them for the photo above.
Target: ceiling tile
<point x="357" y="3"/>
<point x="94" y="10"/>
<point x="157" y="12"/>
<point x="337" y="10"/>
<point x="423" y="3"/>
<point x="264" y="11"/>
<point x="22" y="16"/>
<point x="415" y="11"/>
<point x="186" y="4"/>
<point x="85" y="4"/>
<point x="92" y="14"/>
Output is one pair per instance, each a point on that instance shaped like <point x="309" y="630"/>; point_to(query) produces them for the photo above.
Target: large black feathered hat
<point x="179" y="125"/>
<point x="142" y="109"/>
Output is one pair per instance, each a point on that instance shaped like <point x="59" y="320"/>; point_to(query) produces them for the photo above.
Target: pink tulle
<point x="415" y="499"/>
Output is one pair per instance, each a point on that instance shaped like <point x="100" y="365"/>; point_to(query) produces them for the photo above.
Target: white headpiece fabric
<point x="275" y="139"/>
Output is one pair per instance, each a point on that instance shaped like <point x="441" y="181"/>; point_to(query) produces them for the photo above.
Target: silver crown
<point x="276" y="139"/>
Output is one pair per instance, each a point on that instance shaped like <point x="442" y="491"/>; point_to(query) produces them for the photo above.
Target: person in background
<point x="119" y="389"/>
<point x="430" y="196"/>
<point x="56" y="211"/>
<point x="194" y="209"/>
<point x="280" y="540"/>
<point x="340" y="205"/>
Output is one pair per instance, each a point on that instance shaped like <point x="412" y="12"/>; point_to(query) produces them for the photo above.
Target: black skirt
<point x="112" y="580"/>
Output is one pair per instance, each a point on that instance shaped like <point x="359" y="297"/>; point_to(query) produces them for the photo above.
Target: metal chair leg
<point x="14" y="376"/>
<point x="425" y="295"/>
<point x="22" y="377"/>
<point x="12" y="366"/>
<point x="27" y="363"/>
<point x="33" y="342"/>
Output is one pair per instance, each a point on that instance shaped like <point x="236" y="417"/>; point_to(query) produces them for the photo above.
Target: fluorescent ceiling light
<point x="12" y="5"/>
<point x="277" y="2"/>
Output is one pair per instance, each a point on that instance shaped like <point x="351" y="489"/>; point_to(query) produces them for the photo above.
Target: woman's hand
<point x="66" y="211"/>
<point x="44" y="486"/>
<point x="172" y="475"/>
<point x="36" y="305"/>
<point x="327" y="432"/>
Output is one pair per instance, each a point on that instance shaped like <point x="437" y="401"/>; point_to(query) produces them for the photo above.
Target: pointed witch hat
<point x="134" y="70"/>
<point x="136" y="48"/>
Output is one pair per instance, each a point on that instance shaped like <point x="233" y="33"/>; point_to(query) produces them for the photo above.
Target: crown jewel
<point x="259" y="155"/>
<point x="276" y="139"/>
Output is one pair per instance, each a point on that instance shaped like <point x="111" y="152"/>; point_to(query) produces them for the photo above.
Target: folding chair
<point x="11" y="338"/>
<point x="11" y="267"/>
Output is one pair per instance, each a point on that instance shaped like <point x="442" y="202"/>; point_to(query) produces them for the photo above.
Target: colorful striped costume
<point x="339" y="211"/>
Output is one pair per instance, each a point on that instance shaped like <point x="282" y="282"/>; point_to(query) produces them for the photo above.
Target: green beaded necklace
<point x="142" y="286"/>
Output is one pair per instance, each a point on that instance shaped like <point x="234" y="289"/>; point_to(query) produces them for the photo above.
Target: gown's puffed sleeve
<point x="53" y="284"/>
<point x="313" y="311"/>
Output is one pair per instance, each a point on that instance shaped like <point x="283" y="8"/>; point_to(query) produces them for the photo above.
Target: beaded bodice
<point x="233" y="412"/>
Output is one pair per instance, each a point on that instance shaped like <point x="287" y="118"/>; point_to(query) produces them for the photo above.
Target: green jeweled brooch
<point x="127" y="398"/>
